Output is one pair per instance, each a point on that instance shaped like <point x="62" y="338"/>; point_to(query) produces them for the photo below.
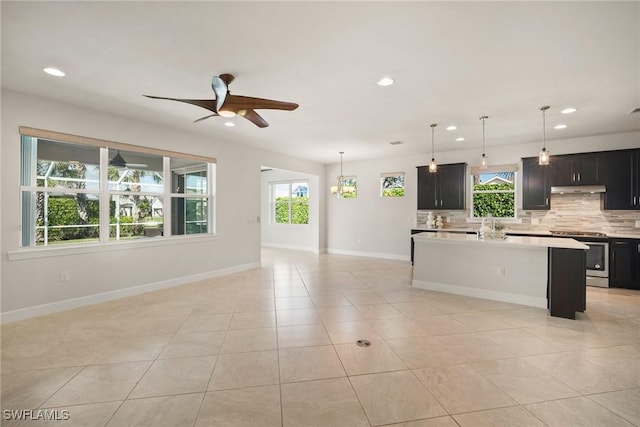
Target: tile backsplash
<point x="568" y="212"/>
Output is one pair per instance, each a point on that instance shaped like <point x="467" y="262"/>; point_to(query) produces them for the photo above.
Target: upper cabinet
<point x="622" y="179"/>
<point x="535" y="185"/>
<point x="444" y="189"/>
<point x="577" y="169"/>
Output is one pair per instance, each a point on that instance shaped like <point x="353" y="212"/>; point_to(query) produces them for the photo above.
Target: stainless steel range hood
<point x="573" y="189"/>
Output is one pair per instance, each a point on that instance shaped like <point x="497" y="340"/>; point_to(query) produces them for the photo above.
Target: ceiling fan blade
<point x="205" y="117"/>
<point x="221" y="89"/>
<point x="209" y="104"/>
<point x="254" y="118"/>
<point x="237" y="102"/>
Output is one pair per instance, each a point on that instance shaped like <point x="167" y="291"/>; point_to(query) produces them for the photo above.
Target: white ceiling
<point x="452" y="62"/>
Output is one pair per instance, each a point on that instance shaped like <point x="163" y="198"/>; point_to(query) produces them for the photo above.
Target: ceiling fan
<point x="227" y="105"/>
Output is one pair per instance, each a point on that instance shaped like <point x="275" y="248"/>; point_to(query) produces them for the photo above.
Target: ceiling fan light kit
<point x="227" y="105"/>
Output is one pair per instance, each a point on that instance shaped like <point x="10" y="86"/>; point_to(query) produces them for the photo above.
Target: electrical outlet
<point x="64" y="276"/>
<point x="535" y="221"/>
<point x="500" y="271"/>
<point x="638" y="224"/>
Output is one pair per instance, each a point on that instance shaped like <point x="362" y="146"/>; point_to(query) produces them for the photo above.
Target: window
<point x="392" y="184"/>
<point x="77" y="193"/>
<point x="494" y="193"/>
<point x="290" y="202"/>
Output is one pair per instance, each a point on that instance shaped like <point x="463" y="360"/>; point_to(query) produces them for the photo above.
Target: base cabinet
<point x="567" y="291"/>
<point x="624" y="263"/>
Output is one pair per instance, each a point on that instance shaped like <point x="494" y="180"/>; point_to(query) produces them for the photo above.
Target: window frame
<point x="273" y="203"/>
<point x="385" y="175"/>
<point x="476" y="171"/>
<point x="29" y="188"/>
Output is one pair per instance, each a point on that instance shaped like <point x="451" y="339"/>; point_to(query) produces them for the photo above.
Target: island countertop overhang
<point x="510" y="241"/>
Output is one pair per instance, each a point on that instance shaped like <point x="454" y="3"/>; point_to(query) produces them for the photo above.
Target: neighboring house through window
<point x="494" y="192"/>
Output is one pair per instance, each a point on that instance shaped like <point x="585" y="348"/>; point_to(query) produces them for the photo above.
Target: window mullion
<point x="104" y="217"/>
<point x="290" y="203"/>
<point x="167" y="200"/>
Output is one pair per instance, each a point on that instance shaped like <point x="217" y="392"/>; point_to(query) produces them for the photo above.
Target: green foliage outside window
<point x="499" y="200"/>
<point x="392" y="192"/>
<point x="299" y="210"/>
<point x="65" y="211"/>
<point x="393" y="186"/>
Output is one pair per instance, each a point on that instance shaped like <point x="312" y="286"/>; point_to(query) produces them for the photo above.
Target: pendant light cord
<point x="483" y="118"/>
<point x="433" y="128"/>
<point x="544" y="127"/>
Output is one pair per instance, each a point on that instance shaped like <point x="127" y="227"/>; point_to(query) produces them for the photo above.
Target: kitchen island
<point x="541" y="272"/>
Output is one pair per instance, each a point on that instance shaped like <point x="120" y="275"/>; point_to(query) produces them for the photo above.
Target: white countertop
<point x="473" y="230"/>
<point x="510" y="241"/>
<point x="530" y="232"/>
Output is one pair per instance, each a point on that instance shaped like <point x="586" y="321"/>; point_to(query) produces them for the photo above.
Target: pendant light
<point x="433" y="166"/>
<point x="338" y="190"/>
<point x="484" y="160"/>
<point x="543" y="156"/>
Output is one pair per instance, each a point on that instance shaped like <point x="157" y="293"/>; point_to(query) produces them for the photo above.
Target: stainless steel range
<point x="597" y="255"/>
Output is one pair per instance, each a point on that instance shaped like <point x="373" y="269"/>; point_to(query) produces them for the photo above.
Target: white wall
<point x="375" y="226"/>
<point x="31" y="283"/>
<point x="301" y="237"/>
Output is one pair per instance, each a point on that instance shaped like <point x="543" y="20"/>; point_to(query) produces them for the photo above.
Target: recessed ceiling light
<point x="460" y="139"/>
<point x="569" y="110"/>
<point x="54" y="72"/>
<point x="396" y="142"/>
<point x="229" y="124"/>
<point x="385" y="81"/>
<point x="561" y="126"/>
<point x="452" y="127"/>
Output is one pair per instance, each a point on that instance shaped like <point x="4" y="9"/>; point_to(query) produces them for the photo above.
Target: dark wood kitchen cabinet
<point x="535" y="185"/>
<point x="624" y="263"/>
<point x="444" y="189"/>
<point x="577" y="169"/>
<point x="622" y="179"/>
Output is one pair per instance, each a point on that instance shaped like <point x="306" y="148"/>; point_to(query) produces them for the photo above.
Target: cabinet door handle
<point x="546" y="201"/>
<point x="573" y="177"/>
<point x="578" y="177"/>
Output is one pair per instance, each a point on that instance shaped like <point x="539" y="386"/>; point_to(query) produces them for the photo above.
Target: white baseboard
<point x="369" y="254"/>
<point x="291" y="247"/>
<point x="54" y="307"/>
<point x="481" y="293"/>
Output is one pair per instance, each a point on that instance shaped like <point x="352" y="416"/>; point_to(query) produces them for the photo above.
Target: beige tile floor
<point x="276" y="346"/>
